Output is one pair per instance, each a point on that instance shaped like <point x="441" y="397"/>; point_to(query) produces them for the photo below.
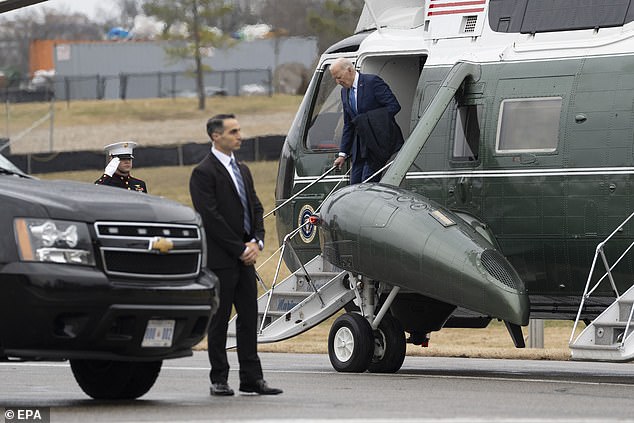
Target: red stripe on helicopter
<point x="453" y="7"/>
<point x="453" y="12"/>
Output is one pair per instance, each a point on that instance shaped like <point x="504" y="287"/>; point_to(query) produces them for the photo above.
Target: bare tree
<point x="196" y="34"/>
<point x="129" y="9"/>
<point x="328" y="20"/>
<point x="336" y="19"/>
<point x="288" y="15"/>
<point x="239" y="16"/>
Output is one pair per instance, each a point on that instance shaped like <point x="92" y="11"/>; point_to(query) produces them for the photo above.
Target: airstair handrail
<point x="295" y="232"/>
<point x="599" y="252"/>
<point x="378" y="172"/>
<point x="291" y="198"/>
<point x="286" y="242"/>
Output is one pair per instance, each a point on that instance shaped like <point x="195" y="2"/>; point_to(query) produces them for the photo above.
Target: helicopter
<point x="517" y="168"/>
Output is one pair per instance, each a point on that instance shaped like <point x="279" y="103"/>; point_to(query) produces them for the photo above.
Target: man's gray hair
<point x="343" y="63"/>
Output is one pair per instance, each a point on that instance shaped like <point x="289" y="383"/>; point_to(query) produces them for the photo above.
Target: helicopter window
<point x="529" y="125"/>
<point x="467" y="134"/>
<point x="326" y="119"/>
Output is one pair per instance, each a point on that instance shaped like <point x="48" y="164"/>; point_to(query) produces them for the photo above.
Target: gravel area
<point x="169" y="132"/>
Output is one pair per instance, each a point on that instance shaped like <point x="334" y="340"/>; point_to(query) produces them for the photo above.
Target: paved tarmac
<point x="426" y="389"/>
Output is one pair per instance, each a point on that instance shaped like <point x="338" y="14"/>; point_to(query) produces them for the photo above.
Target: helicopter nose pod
<point x="405" y="239"/>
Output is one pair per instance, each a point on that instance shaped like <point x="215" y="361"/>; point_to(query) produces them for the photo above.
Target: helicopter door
<point x="321" y="137"/>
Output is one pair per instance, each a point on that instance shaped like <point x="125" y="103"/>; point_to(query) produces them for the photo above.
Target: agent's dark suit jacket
<point x="372" y="93"/>
<point x="215" y="197"/>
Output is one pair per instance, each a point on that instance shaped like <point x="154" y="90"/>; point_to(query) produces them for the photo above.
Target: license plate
<point x="158" y="333"/>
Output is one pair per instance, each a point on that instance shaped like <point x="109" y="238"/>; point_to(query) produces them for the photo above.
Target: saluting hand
<point x="112" y="166"/>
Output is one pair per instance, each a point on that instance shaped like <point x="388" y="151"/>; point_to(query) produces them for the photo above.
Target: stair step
<point x="604" y="338"/>
<point x="274" y="313"/>
<point x="295" y="307"/>
<point x="612" y="324"/>
<point x="303" y="294"/>
<point x="314" y="275"/>
<point x="609" y="347"/>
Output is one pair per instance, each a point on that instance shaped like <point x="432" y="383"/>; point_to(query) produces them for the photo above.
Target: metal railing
<point x="588" y="291"/>
<point x="123" y="86"/>
<point x="286" y="244"/>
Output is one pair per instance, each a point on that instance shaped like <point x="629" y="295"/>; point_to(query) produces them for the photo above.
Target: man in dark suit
<point x="222" y="192"/>
<point x="367" y="100"/>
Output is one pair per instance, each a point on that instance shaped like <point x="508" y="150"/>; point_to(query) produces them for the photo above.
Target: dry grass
<point x="492" y="342"/>
<point x="89" y="125"/>
<point x="98" y="112"/>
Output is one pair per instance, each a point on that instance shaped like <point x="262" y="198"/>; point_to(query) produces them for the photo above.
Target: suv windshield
<point x="6" y="167"/>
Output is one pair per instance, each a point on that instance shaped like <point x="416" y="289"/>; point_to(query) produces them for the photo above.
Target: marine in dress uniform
<point x="117" y="172"/>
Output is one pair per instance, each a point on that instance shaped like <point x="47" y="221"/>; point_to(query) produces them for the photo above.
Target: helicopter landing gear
<point x="389" y="346"/>
<point x="350" y="343"/>
<point x="355" y="345"/>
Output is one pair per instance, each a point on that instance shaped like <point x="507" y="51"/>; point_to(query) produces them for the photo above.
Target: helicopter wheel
<point x="350" y="343"/>
<point x="389" y="346"/>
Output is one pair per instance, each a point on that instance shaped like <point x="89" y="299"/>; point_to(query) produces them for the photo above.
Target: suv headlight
<point x="54" y="241"/>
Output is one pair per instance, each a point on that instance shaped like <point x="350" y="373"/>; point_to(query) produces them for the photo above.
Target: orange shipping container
<point x="41" y="55"/>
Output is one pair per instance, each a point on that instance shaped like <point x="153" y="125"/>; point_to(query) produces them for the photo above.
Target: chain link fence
<point x="139" y="85"/>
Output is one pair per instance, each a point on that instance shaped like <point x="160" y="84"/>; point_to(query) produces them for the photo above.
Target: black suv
<point x="109" y="279"/>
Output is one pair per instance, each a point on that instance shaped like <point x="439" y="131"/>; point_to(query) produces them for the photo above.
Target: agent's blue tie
<point x="353" y="100"/>
<point x="243" y="196"/>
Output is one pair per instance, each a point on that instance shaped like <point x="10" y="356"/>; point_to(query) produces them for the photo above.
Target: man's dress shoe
<point x="221" y="389"/>
<point x="259" y="387"/>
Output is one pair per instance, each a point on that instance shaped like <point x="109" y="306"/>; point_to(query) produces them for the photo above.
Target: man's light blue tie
<point x="353" y="100"/>
<point x="243" y="196"/>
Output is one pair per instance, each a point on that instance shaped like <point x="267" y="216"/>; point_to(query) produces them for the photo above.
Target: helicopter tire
<point x="389" y="346"/>
<point x="350" y="343"/>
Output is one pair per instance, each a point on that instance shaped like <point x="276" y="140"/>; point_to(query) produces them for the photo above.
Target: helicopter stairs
<point x="307" y="297"/>
<point x="609" y="336"/>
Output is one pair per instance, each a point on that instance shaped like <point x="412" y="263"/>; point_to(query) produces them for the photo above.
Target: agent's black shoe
<point x="220" y="389"/>
<point x="259" y="387"/>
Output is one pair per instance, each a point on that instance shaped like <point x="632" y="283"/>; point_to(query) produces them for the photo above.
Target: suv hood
<point x="69" y="200"/>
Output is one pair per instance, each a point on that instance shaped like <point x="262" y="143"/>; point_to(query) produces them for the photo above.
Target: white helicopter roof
<point x="453" y="30"/>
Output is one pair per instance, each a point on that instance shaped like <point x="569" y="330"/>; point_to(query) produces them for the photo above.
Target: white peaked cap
<point x="124" y="148"/>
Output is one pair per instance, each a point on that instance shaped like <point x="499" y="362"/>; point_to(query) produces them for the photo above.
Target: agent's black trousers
<point x="237" y="287"/>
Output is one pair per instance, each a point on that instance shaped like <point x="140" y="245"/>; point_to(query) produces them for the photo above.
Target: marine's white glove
<point x="112" y="167"/>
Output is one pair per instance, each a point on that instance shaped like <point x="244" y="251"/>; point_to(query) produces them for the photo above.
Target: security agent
<point x="223" y="192"/>
<point x="117" y="172"/>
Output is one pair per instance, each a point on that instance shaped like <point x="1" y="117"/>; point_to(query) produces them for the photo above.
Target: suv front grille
<point x="149" y="250"/>
<point x="150" y="264"/>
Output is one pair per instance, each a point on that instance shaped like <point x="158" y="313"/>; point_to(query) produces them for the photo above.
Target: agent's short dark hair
<point x="217" y="123"/>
